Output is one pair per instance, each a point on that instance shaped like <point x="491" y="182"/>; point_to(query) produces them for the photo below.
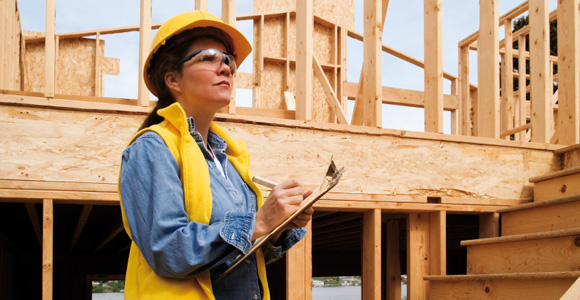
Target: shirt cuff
<point x="238" y="230"/>
<point x="288" y="239"/>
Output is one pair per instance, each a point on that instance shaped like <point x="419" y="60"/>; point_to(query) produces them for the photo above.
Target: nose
<point x="224" y="67"/>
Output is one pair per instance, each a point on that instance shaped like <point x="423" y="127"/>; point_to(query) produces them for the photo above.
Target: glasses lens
<point x="213" y="56"/>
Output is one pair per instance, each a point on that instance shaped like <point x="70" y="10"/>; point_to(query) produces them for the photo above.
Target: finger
<point x="290" y="183"/>
<point x="307" y="193"/>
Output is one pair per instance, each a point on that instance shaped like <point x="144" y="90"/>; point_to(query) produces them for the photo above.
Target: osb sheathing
<point x="75" y="67"/>
<point x="339" y="12"/>
<point x="10" y="35"/>
<point x="65" y="145"/>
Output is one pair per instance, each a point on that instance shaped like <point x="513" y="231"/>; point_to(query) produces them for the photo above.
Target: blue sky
<point x="403" y="31"/>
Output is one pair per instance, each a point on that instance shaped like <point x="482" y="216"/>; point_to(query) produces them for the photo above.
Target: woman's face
<point x="204" y="86"/>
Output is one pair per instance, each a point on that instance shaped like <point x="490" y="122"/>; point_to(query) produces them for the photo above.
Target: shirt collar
<point x="217" y="143"/>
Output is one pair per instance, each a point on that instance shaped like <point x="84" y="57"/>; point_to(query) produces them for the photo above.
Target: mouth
<point x="224" y="83"/>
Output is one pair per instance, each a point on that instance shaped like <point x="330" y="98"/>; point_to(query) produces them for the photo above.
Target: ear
<point x="172" y="80"/>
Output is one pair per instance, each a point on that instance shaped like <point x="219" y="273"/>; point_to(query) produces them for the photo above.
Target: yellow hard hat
<point x="241" y="47"/>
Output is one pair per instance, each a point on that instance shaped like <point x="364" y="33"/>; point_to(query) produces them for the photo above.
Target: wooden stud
<point x="33" y="215"/>
<point x="540" y="71"/>
<point x="393" y="261"/>
<point x="49" y="50"/>
<point x="433" y="41"/>
<point x="437" y="243"/>
<point x="304" y="52"/>
<point x="487" y="70"/>
<point x="521" y="114"/>
<point x="259" y="73"/>
<point x="371" y="255"/>
<point x="83" y="218"/>
<point x="229" y="17"/>
<point x="569" y="73"/>
<point x="289" y="101"/>
<point x="109" y="238"/>
<point x="372" y="94"/>
<point x="573" y="292"/>
<point x="98" y="92"/>
<point x="465" y="120"/>
<point x="201" y="5"/>
<point x="330" y="95"/>
<point x="47" y="248"/>
<point x="287" y="52"/>
<point x="144" y="46"/>
<point x="299" y="268"/>
<point x="417" y="255"/>
<point x="507" y="86"/>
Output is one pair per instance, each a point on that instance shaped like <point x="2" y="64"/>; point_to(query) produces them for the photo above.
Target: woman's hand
<point x="283" y="201"/>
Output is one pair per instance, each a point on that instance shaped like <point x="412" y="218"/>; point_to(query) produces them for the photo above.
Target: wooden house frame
<point x="423" y="189"/>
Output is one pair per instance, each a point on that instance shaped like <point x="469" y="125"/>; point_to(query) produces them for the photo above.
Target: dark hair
<point x="167" y="59"/>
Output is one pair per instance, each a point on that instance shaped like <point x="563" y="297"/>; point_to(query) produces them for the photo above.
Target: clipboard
<point x="331" y="179"/>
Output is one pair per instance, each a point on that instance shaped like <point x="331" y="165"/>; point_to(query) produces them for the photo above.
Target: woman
<point x="188" y="201"/>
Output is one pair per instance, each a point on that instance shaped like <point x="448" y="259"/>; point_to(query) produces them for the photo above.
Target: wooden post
<point x="229" y="16"/>
<point x="393" y="261"/>
<point x="568" y="73"/>
<point x="201" y="5"/>
<point x="259" y="56"/>
<point x="371" y="255"/>
<point x="372" y="95"/>
<point x="488" y="225"/>
<point x="437" y="243"/>
<point x="98" y="66"/>
<point x="144" y="47"/>
<point x="521" y="106"/>
<point x="507" y="86"/>
<point x="358" y="111"/>
<point x="488" y="70"/>
<point x="540" y="71"/>
<point x="417" y="256"/>
<point x="47" y="248"/>
<point x="464" y="92"/>
<point x="49" y="49"/>
<point x="433" y="39"/>
<point x="304" y="52"/>
<point x="299" y="268"/>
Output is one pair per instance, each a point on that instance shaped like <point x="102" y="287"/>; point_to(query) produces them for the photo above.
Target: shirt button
<point x="248" y="262"/>
<point x="255" y="297"/>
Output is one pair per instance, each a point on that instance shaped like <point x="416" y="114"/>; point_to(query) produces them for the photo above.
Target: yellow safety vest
<point x="141" y="282"/>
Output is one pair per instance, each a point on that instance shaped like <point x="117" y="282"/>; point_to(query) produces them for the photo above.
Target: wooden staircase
<point x="536" y="256"/>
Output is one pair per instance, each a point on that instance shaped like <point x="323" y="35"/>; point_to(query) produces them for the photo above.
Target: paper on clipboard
<point x="330" y="180"/>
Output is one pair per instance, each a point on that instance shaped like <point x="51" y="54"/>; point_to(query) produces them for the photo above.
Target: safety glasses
<point x="212" y="56"/>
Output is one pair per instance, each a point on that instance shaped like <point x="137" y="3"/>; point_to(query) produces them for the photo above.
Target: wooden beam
<point x="34" y="220"/>
<point x="393" y="261"/>
<point x="47" y="248"/>
<point x="299" y="268"/>
<point x="569" y="73"/>
<point x="573" y="292"/>
<point x="144" y="46"/>
<point x="98" y="66"/>
<point x="433" y="40"/>
<point x="304" y="53"/>
<point x="229" y="17"/>
<point x="358" y="110"/>
<point x="333" y="102"/>
<point x="437" y="243"/>
<point x="111" y="236"/>
<point x="83" y="218"/>
<point x="373" y="25"/>
<point x="417" y="256"/>
<point x="201" y="5"/>
<point x="371" y="255"/>
<point x="540" y="71"/>
<point x="507" y="81"/>
<point x="520" y="107"/>
<point x="465" y="120"/>
<point x="49" y="50"/>
<point x="488" y="71"/>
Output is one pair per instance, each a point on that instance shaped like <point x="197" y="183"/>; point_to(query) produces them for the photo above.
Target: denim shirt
<point x="152" y="195"/>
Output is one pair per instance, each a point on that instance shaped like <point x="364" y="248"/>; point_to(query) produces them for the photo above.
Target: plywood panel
<point x="75" y="65"/>
<point x="336" y="11"/>
<point x="87" y="146"/>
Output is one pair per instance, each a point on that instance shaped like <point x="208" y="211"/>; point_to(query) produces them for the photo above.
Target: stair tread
<point x="533" y="275"/>
<point x="521" y="237"/>
<point x="567" y="149"/>
<point x="539" y="204"/>
<point x="555" y="174"/>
